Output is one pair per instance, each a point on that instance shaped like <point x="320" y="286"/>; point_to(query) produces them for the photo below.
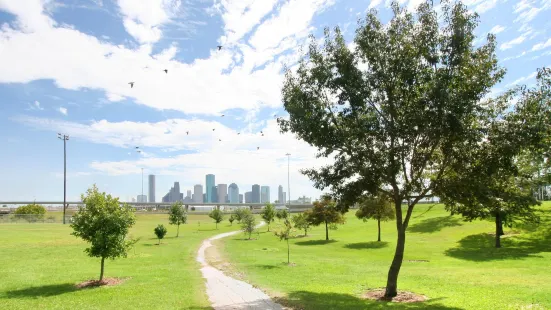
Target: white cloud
<point x="522" y="79"/>
<point x="541" y="45"/>
<point x="30" y="12"/>
<point x="35" y="106"/>
<point x="497" y="29"/>
<point x="512" y="43"/>
<point x="62" y="110"/>
<point x="374" y="3"/>
<point x="115" y="97"/>
<point x="143" y="19"/>
<point x="481" y="6"/>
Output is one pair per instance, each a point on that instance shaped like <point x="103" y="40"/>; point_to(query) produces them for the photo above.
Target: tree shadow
<point x="337" y="301"/>
<point x="481" y="247"/>
<point x="315" y="242"/>
<point x="268" y="267"/>
<point x="435" y="224"/>
<point x="367" y="245"/>
<point x="42" y="291"/>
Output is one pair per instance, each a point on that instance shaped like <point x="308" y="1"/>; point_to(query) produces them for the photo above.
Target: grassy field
<point x="464" y="270"/>
<point x="41" y="263"/>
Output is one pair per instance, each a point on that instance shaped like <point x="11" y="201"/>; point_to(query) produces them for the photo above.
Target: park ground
<point x="452" y="262"/>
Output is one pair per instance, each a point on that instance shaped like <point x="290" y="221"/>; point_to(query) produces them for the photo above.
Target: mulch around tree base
<point x="104" y="282"/>
<point x="403" y="296"/>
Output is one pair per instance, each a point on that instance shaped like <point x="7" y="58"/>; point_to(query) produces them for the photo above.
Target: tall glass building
<point x="151" y="188"/>
<point x="222" y="193"/>
<point x="210" y="188"/>
<point x="256" y="194"/>
<point x="265" y="194"/>
<point x="233" y="193"/>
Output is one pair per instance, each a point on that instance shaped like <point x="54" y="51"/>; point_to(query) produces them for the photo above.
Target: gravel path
<point x="227" y="293"/>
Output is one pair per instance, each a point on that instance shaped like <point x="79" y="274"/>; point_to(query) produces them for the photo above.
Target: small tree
<point x="248" y="223"/>
<point x="33" y="211"/>
<point x="301" y="222"/>
<point x="160" y="232"/>
<point x="325" y="211"/>
<point x="104" y="223"/>
<point x="268" y="214"/>
<point x="231" y="219"/>
<point x="177" y="215"/>
<point x="285" y="234"/>
<point x="282" y="214"/>
<point x="240" y="213"/>
<point x="377" y="208"/>
<point x="217" y="216"/>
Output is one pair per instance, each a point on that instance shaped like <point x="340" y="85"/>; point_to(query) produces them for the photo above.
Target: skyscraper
<point x="233" y="193"/>
<point x="173" y="194"/>
<point x="142" y="198"/>
<point x="280" y="197"/>
<point x="265" y="194"/>
<point x="198" y="193"/>
<point x="209" y="187"/>
<point x="151" y="188"/>
<point x="256" y="194"/>
<point x="222" y="193"/>
<point x="240" y="198"/>
<point x="188" y="195"/>
<point x="248" y="197"/>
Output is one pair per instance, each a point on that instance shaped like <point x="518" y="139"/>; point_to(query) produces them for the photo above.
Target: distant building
<point x="240" y="198"/>
<point x="222" y="193"/>
<point x="198" y="193"/>
<point x="141" y="198"/>
<point x="256" y="194"/>
<point x="209" y="187"/>
<point x="233" y="193"/>
<point x="151" y="188"/>
<point x="204" y="197"/>
<point x="133" y="199"/>
<point x="188" y="194"/>
<point x="302" y="201"/>
<point x="264" y="194"/>
<point x="280" y="197"/>
<point x="174" y="194"/>
<point x="248" y="197"/>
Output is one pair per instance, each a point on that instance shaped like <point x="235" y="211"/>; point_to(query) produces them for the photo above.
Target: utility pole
<point x="288" y="178"/>
<point x="64" y="138"/>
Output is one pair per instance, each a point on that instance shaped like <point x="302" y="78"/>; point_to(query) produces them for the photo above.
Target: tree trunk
<point x="268" y="226"/>
<point x="379" y="234"/>
<point x="305" y="232"/>
<point x="216" y="225"/>
<point x="499" y="219"/>
<point x="288" y="261"/>
<point x="498" y="227"/>
<point x="178" y="231"/>
<point x="102" y="268"/>
<point x="326" y="232"/>
<point x="392" y="280"/>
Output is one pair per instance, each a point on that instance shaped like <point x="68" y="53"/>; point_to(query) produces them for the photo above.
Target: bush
<point x="32" y="212"/>
<point x="160" y="232"/>
<point x="192" y="208"/>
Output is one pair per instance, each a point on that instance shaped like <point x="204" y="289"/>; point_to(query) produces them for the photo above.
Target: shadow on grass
<point x="481" y="247"/>
<point x="367" y="245"/>
<point x="42" y="291"/>
<point x="435" y="224"/>
<point x="312" y="300"/>
<point x="268" y="267"/>
<point x="315" y="242"/>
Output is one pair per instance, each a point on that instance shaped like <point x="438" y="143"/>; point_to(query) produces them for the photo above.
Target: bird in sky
<point x="219" y="139"/>
<point x="137" y="147"/>
<point x="238" y="133"/>
<point x="258" y="148"/>
<point x="131" y="84"/>
<point x="187" y="133"/>
<point x="222" y="115"/>
<point x="219" y="47"/>
<point x="212" y="129"/>
<point x="165" y="70"/>
<point x="261" y="132"/>
<point x="263" y="135"/>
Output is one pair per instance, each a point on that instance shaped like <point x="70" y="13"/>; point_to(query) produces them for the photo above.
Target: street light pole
<point x="288" y="178"/>
<point x="64" y="138"/>
<point x="142" y="186"/>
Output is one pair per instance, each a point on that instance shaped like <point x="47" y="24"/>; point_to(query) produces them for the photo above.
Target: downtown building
<point x="255" y="194"/>
<point x="198" y="193"/>
<point x="264" y="194"/>
<point x="233" y="193"/>
<point x="210" y="188"/>
<point x="151" y="185"/>
<point x="174" y="194"/>
<point x="222" y="193"/>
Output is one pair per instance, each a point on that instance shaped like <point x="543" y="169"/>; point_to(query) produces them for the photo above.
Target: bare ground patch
<point x="403" y="296"/>
<point x="104" y="282"/>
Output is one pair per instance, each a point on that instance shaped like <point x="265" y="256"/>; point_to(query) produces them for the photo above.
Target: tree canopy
<point x="217" y="215"/>
<point x="248" y="223"/>
<point x="104" y="223"/>
<point x="268" y="214"/>
<point x="177" y="215"/>
<point x="396" y="109"/>
<point x="33" y="212"/>
<point x="377" y="208"/>
<point x="301" y="222"/>
<point x="325" y="211"/>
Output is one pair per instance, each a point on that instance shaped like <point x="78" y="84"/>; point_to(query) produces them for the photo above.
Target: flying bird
<point x="137" y="147"/>
<point x="219" y="47"/>
<point x="261" y="132"/>
<point x="212" y="129"/>
<point x="165" y="70"/>
<point x="222" y="115"/>
<point x="258" y="147"/>
<point x="238" y="133"/>
<point x="219" y="139"/>
<point x="187" y="133"/>
<point x="131" y="84"/>
<point x="263" y="135"/>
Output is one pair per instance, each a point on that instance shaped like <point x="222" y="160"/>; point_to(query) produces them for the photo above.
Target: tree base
<point x="104" y="282"/>
<point x="403" y="296"/>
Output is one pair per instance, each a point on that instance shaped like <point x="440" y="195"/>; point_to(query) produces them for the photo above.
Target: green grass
<point x="464" y="270"/>
<point x="41" y="263"/>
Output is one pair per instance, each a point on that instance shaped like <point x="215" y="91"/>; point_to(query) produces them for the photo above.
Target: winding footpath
<point x="227" y="293"/>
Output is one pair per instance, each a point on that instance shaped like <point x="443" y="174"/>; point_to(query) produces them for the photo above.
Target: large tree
<point x="499" y="181"/>
<point x="396" y="110"/>
<point x="377" y="208"/>
<point x="324" y="211"/>
<point x="104" y="223"/>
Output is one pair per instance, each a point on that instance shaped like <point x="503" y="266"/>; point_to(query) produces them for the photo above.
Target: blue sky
<point x="65" y="67"/>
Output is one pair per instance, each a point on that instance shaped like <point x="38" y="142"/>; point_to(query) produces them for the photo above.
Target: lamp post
<point x="288" y="178"/>
<point x="64" y="138"/>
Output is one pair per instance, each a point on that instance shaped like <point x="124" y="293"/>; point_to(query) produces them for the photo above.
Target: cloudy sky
<point x="65" y="66"/>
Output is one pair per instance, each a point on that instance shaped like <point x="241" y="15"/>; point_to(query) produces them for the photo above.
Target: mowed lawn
<point x="464" y="270"/>
<point x="41" y="263"/>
